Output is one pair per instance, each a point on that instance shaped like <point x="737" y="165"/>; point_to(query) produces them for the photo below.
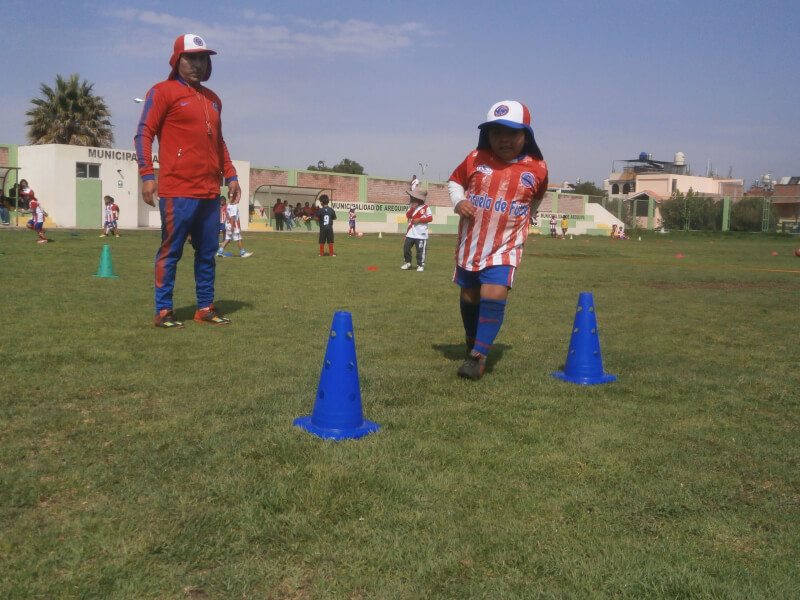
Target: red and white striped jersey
<point x="38" y="211"/>
<point x="233" y="217"/>
<point x="418" y="231"/>
<point x="505" y="195"/>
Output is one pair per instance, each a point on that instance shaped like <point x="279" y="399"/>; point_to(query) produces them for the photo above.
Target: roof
<point x="267" y="194"/>
<point x="646" y="194"/>
<point x="4" y="171"/>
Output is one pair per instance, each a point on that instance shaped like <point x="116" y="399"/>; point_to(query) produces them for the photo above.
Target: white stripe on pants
<point x="422" y="248"/>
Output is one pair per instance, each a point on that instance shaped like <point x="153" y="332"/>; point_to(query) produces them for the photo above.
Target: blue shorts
<point x="497" y="275"/>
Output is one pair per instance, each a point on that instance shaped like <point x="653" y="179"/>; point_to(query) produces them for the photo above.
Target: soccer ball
<point x="361" y="233"/>
<point x="797" y="252"/>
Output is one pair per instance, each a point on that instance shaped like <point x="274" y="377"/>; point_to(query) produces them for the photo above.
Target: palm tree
<point x="70" y="114"/>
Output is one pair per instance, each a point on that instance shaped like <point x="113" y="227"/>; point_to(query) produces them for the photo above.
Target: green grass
<point x="143" y="463"/>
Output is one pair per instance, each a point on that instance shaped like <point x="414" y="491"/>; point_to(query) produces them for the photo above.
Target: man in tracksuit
<point x="185" y="117"/>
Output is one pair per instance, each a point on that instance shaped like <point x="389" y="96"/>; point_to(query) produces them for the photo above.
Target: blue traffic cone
<point x="337" y="411"/>
<point x="584" y="363"/>
<point x="105" y="269"/>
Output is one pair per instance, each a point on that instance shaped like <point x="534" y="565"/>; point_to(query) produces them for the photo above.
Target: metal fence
<point x="707" y="213"/>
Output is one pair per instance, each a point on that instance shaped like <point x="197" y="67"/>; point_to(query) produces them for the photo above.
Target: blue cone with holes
<point x="584" y="362"/>
<point x="337" y="411"/>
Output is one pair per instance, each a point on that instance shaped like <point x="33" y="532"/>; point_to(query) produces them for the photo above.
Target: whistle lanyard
<point x="202" y="100"/>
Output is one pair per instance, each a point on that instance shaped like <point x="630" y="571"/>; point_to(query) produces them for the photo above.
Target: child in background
<point x="325" y="216"/>
<point x="495" y="190"/>
<point x="287" y="216"/>
<point x="111" y="211"/>
<point x="418" y="215"/>
<point x="233" y="231"/>
<point x="223" y="218"/>
<point x="351" y="221"/>
<point x="115" y="215"/>
<point x="38" y="213"/>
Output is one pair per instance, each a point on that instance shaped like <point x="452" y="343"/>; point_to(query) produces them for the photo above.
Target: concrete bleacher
<point x="21" y="220"/>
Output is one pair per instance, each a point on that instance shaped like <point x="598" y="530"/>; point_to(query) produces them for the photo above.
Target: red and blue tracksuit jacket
<point x="192" y="160"/>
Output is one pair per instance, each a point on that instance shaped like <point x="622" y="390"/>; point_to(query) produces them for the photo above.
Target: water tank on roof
<point x="680" y="159"/>
<point x="642" y="156"/>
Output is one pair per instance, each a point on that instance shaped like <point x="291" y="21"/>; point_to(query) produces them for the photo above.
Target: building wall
<point x="260" y="176"/>
<point x="51" y="172"/>
<point x="661" y="184"/>
<point x="395" y="191"/>
<point x="349" y="188"/>
<point x="346" y="188"/>
<point x="786" y="200"/>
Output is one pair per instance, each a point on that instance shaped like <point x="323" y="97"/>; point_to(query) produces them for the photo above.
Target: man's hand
<point x="149" y="191"/>
<point x="234" y="192"/>
<point x="465" y="209"/>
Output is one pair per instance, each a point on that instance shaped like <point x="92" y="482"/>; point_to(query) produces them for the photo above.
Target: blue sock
<point x="490" y="320"/>
<point x="469" y="316"/>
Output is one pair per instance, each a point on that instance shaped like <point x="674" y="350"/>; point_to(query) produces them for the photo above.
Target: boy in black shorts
<point x="326" y="216"/>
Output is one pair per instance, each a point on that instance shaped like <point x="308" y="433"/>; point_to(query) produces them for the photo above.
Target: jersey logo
<point x="527" y="179"/>
<point x="184" y="103"/>
<point x="485" y="169"/>
<point x="501" y="111"/>
<point x="198" y="41"/>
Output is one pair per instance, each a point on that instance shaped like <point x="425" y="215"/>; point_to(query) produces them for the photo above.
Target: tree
<point x="691" y="212"/>
<point x="70" y="114"/>
<point x="349" y="166"/>
<point x="748" y="214"/>
<point x="673" y="211"/>
<point x="346" y="166"/>
<point x="588" y="188"/>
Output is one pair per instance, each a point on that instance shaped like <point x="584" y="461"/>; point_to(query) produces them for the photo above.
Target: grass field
<point x="143" y="463"/>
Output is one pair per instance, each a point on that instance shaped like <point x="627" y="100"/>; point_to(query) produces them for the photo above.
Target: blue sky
<point x="393" y="85"/>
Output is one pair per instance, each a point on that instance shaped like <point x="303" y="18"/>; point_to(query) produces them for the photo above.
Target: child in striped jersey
<point x="495" y="191"/>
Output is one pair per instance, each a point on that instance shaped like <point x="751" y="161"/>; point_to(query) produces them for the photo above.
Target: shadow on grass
<point x="457" y="352"/>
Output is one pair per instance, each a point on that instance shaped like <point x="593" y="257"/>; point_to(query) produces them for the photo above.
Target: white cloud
<point x="263" y="35"/>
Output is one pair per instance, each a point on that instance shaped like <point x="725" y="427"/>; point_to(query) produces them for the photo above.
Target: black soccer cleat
<point x="473" y="367"/>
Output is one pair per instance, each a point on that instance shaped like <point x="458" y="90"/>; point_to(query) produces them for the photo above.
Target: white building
<point x="71" y="181"/>
<point x="664" y="178"/>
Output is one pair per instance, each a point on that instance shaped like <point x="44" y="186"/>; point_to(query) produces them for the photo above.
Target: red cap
<point x="189" y="43"/>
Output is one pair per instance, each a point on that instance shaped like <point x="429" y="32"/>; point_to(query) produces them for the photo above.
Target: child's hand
<point x="465" y="209"/>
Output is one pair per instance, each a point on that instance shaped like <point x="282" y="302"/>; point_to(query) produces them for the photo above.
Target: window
<point x="615" y="188"/>
<point x="87" y="171"/>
